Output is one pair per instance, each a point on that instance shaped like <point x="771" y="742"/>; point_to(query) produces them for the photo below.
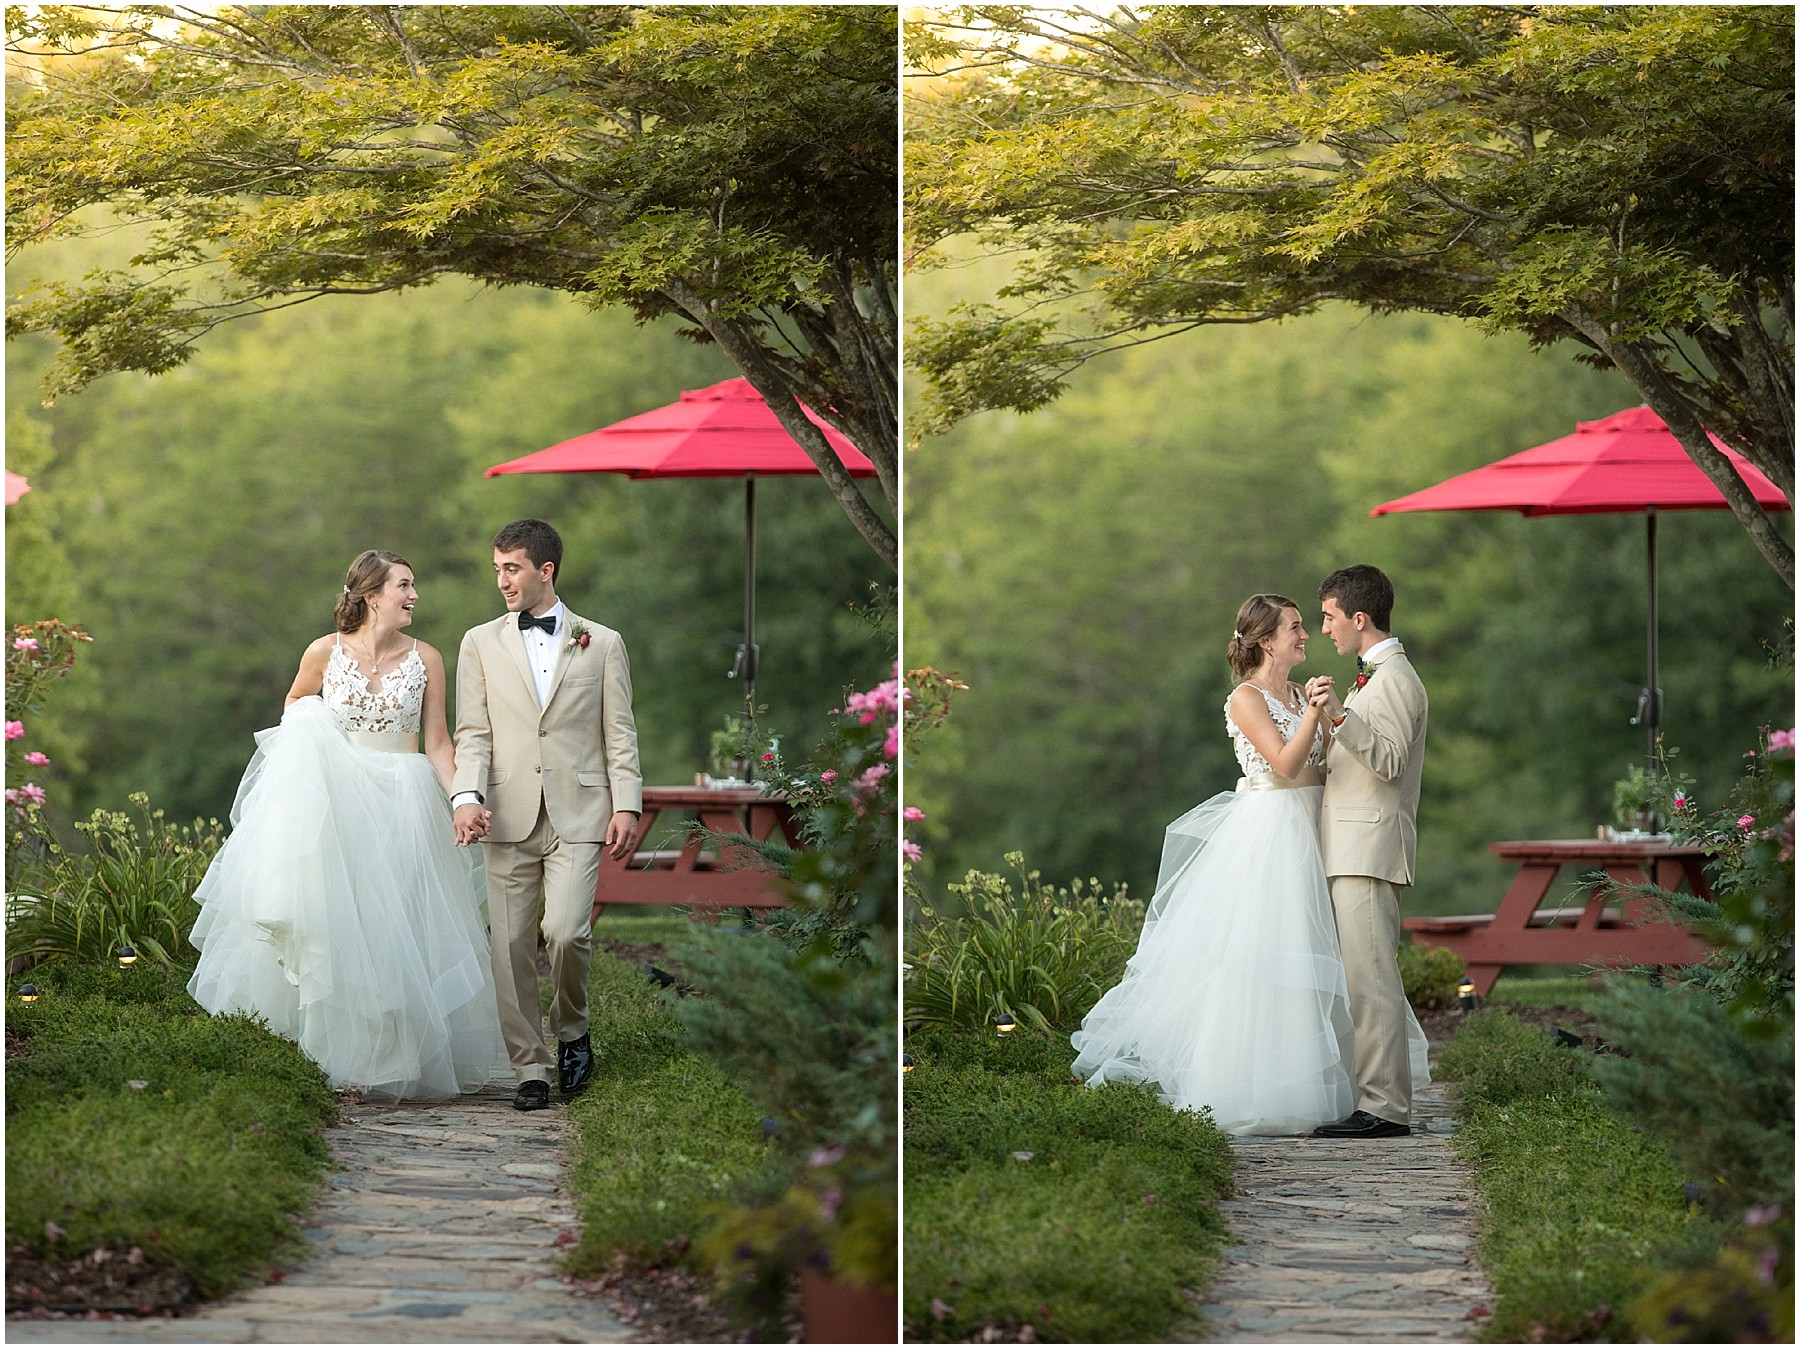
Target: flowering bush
<point x="40" y="653"/>
<point x="1750" y="843"/>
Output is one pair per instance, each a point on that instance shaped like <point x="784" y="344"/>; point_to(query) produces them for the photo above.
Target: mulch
<point x="1440" y="1026"/>
<point x="108" y="1279"/>
<point x="676" y="1305"/>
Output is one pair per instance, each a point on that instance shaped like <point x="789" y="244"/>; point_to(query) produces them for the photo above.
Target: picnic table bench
<point x="1609" y="928"/>
<point x="722" y="877"/>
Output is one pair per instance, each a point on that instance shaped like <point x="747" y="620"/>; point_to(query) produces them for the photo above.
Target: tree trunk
<point x="1639" y="365"/>
<point x="745" y="353"/>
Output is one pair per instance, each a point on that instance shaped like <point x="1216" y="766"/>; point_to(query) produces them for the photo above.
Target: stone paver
<point x="439" y="1226"/>
<point x="1341" y="1242"/>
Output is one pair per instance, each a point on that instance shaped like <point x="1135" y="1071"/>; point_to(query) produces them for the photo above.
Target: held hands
<point x="471" y="822"/>
<point x="1321" y="693"/>
<point x="621" y="831"/>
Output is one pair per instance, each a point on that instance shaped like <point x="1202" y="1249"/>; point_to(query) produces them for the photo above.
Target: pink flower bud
<point x="829" y="775"/>
<point x="1745" y="821"/>
<point x="14" y="729"/>
<point x="768" y="758"/>
<point x="912" y="813"/>
<point x="37" y="757"/>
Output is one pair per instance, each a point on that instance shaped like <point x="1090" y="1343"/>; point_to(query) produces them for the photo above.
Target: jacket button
<point x="538" y="769"/>
<point x="542" y="734"/>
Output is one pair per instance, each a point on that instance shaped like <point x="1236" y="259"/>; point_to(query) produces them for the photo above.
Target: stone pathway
<point x="440" y="1226"/>
<point x="1347" y="1243"/>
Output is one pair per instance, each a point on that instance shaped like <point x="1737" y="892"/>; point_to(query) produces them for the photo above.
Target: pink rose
<point x="768" y="758"/>
<point x="829" y="775"/>
<point x="1781" y="740"/>
<point x="33" y="793"/>
<point x="37" y="757"/>
<point x="909" y="850"/>
<point x="1681" y="801"/>
<point x="25" y="644"/>
<point x="912" y="813"/>
<point x="14" y="729"/>
<point x="1745" y="821"/>
<point x="890" y="747"/>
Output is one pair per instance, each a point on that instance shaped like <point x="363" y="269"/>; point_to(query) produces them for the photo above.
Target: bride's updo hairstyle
<point x="1258" y="619"/>
<point x="366" y="577"/>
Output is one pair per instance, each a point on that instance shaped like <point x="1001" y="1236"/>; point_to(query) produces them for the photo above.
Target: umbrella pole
<point x="1652" y="693"/>
<point x="747" y="661"/>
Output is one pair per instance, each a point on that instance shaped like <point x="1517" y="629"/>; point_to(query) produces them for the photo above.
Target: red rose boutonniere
<point x="1362" y="677"/>
<point x="579" y="636"/>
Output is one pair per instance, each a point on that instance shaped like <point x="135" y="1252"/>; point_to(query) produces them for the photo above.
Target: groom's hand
<point x="471" y="822"/>
<point x="620" y="830"/>
<point x="1321" y="692"/>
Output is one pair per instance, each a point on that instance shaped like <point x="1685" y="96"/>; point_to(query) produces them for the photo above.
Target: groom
<point x="547" y="773"/>
<point x="1368" y="835"/>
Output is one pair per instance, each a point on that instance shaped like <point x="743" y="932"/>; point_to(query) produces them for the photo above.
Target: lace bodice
<point x="1287" y="721"/>
<point x="395" y="704"/>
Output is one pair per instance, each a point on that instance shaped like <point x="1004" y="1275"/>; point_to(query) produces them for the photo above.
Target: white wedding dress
<point x="1235" y="1001"/>
<point x="340" y="909"/>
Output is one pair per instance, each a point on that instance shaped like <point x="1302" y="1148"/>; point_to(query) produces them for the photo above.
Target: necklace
<point x="1285" y="697"/>
<point x="375" y="661"/>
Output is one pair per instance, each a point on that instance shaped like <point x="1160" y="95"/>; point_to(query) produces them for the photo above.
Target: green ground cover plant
<point x="1089" y="1215"/>
<point x="134" y="1120"/>
<point x="663" y="1141"/>
<point x="1578" y="1209"/>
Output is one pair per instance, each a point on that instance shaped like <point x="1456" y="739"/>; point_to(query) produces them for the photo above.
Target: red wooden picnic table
<point x="725" y="877"/>
<point x="1608" y="929"/>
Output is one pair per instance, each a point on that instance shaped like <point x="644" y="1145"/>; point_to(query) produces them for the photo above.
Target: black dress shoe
<point x="532" y="1096"/>
<point x="1362" y="1125"/>
<point x="574" y="1064"/>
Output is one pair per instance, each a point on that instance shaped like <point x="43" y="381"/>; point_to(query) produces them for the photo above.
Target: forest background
<point x="1079" y="568"/>
<point x="198" y="523"/>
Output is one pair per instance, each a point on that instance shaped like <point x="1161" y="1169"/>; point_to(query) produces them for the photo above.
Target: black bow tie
<point x="547" y="622"/>
<point x="1361" y="665"/>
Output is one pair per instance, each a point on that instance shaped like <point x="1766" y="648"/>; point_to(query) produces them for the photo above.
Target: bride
<point x="340" y="910"/>
<point x="1235" y="1001"/>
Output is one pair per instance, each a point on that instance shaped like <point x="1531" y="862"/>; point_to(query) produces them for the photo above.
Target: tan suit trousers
<point x="1368" y="925"/>
<point x="541" y="882"/>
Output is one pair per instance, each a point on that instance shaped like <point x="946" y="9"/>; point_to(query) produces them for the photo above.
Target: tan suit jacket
<point x="1368" y="821"/>
<point x="577" y="755"/>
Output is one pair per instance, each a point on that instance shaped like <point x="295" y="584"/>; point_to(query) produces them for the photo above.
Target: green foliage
<point x="664" y="1141"/>
<point x="133" y="887"/>
<point x="1721" y="1101"/>
<point x="1498" y="1060"/>
<point x="1578" y="1207"/>
<point x="1031" y="1200"/>
<point x="1430" y="975"/>
<point x="37" y="655"/>
<point x="1633" y="795"/>
<point x="1574" y="1209"/>
<point x="1052" y="564"/>
<point x="1179" y="165"/>
<point x="1043" y="953"/>
<point x="316" y="433"/>
<point x="133" y="1119"/>
<point x="1742" y="1294"/>
<point x="733" y="166"/>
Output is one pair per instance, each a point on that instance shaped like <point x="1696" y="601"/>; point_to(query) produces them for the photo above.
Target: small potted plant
<point x="1634" y="806"/>
<point x="730" y="754"/>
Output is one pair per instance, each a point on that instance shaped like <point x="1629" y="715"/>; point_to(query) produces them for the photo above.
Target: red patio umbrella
<point x="16" y="487"/>
<point x="722" y="431"/>
<point x="1627" y="462"/>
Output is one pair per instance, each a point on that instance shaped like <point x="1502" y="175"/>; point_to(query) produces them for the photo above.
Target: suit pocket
<point x="1356" y="814"/>
<point x="497" y="776"/>
<point x="576" y="681"/>
<point x="592" y="779"/>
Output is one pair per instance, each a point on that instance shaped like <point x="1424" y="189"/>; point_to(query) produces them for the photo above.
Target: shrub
<point x="1497" y="1059"/>
<point x="1722" y="1102"/>
<point x="136" y="887"/>
<point x="1043" y="953"/>
<point x="1430" y="975"/>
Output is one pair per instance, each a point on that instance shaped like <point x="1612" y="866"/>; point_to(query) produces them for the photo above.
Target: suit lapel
<point x="507" y="631"/>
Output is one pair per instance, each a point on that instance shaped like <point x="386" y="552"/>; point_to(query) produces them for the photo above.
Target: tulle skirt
<point x="1235" y="1001"/>
<point x="342" y="913"/>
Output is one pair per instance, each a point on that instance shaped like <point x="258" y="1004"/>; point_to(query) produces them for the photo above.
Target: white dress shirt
<point x="541" y="650"/>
